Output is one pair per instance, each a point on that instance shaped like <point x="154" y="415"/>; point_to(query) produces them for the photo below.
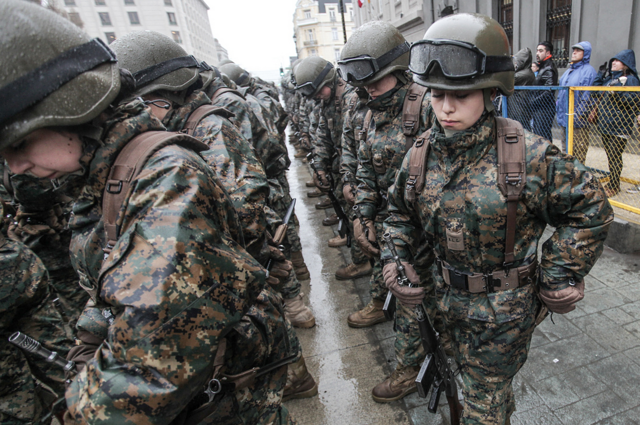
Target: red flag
<point x="359" y="3"/>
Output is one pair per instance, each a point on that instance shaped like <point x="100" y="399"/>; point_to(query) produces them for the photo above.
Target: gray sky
<point x="258" y="34"/>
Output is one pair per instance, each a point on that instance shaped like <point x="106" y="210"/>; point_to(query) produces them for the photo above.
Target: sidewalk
<point x="584" y="369"/>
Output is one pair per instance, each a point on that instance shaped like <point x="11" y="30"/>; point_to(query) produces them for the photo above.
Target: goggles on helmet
<point x="457" y="59"/>
<point x="310" y="87"/>
<point x="363" y="67"/>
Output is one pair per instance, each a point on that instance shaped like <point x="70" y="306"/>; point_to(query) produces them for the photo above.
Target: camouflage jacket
<point x="268" y="97"/>
<point x="381" y="154"/>
<point x="461" y="197"/>
<point x="175" y="282"/>
<point x="352" y="131"/>
<point x="329" y="132"/>
<point x="29" y="384"/>
<point x="234" y="161"/>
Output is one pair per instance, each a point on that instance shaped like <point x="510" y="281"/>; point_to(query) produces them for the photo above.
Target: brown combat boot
<point x="370" y="315"/>
<point x="300" y="154"/>
<point x="298" y="314"/>
<point x="331" y="220"/>
<point x="310" y="184"/>
<point x="353" y="271"/>
<point x="337" y="242"/>
<point x="300" y="383"/>
<point x="398" y="385"/>
<point x="314" y="194"/>
<point x="299" y="266"/>
<point x="323" y="205"/>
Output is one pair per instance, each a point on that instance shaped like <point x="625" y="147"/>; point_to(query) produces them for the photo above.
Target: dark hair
<point x="547" y="46"/>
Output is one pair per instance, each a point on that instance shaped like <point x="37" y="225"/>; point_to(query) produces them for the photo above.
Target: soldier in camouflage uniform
<point x="351" y="135"/>
<point x="380" y="156"/>
<point x="30" y="384"/>
<point x="316" y="79"/>
<point x="489" y="315"/>
<point x="176" y="286"/>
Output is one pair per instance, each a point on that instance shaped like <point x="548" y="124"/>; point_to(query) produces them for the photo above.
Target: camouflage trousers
<point x="357" y="256"/>
<point x="71" y="296"/>
<point x="377" y="288"/>
<point x="488" y="354"/>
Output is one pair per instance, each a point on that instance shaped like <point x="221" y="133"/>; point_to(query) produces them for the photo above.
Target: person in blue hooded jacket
<point x="617" y="112"/>
<point x="580" y="73"/>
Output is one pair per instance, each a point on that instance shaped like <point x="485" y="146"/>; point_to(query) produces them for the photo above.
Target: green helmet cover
<point x="484" y="33"/>
<point x="309" y="69"/>
<point x="31" y="37"/>
<point x="236" y="73"/>
<point x="374" y="39"/>
<point x="140" y="50"/>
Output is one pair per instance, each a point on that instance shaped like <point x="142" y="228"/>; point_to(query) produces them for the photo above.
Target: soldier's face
<point x="457" y="110"/>
<point x="380" y="87"/>
<point x="46" y="154"/>
<point x="324" y="93"/>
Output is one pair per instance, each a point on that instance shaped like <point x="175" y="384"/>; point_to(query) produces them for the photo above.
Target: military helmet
<point x="312" y="74"/>
<point x="51" y="74"/>
<point x="207" y="74"/>
<point x="374" y="50"/>
<point x="236" y="73"/>
<point x="464" y="51"/>
<point x="156" y="62"/>
<point x="225" y="62"/>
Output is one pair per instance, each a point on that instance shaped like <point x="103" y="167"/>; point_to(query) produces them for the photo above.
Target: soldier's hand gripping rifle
<point x="435" y="373"/>
<point x="343" y="223"/>
<point x="281" y="232"/>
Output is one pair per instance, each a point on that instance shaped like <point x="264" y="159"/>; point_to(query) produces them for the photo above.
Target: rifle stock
<point x="281" y="232"/>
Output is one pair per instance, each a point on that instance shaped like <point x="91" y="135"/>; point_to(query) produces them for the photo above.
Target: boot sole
<point x="329" y="223"/>
<point x="363" y="325"/>
<point x="313" y="391"/>
<point x="368" y="273"/>
<point x="398" y="397"/>
<point x="305" y="325"/>
<point x="303" y="276"/>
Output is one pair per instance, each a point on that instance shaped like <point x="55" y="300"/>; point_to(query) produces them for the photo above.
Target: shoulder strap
<point x="223" y="90"/>
<point x="365" y="126"/>
<point x="199" y="114"/>
<point x="127" y="166"/>
<point x="511" y="175"/>
<point x="417" y="169"/>
<point x="411" y="112"/>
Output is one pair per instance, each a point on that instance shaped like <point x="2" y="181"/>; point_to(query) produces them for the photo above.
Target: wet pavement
<point x="584" y="369"/>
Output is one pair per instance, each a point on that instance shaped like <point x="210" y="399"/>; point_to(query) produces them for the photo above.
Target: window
<point x="100" y="2"/>
<point x="75" y="18"/>
<point x="313" y="52"/>
<point x="104" y="18"/>
<point x="172" y="18"/>
<point x="310" y="35"/>
<point x="110" y="36"/>
<point x="176" y="36"/>
<point x="334" y="33"/>
<point x="307" y="14"/>
<point x="505" y="10"/>
<point x="69" y="2"/>
<point x="129" y="2"/>
<point x="133" y="18"/>
<point x="168" y="3"/>
<point x="332" y="15"/>
<point x="336" y="54"/>
<point x="558" y="30"/>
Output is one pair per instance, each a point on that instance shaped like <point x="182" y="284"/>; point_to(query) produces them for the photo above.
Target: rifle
<point x="32" y="346"/>
<point x="343" y="223"/>
<point x="281" y="232"/>
<point x="435" y="373"/>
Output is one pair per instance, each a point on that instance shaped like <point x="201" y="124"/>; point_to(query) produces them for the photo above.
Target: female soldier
<point x="168" y="293"/>
<point x="486" y="286"/>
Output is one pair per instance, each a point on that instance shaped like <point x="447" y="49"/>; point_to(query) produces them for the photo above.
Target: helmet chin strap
<point x="488" y="102"/>
<point x="159" y="103"/>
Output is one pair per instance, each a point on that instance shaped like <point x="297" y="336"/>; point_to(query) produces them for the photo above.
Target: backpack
<point x="511" y="172"/>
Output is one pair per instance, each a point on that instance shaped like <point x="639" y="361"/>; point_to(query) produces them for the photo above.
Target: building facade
<point x="185" y="21"/>
<point x="318" y="29"/>
<point x="610" y="26"/>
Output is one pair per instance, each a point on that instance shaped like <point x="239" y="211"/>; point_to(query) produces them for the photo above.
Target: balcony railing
<point x="311" y="43"/>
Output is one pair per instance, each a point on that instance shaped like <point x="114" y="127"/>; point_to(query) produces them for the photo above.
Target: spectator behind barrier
<point x="580" y="73"/>
<point x="543" y="102"/>
<point x="518" y="106"/>
<point x="616" y="112"/>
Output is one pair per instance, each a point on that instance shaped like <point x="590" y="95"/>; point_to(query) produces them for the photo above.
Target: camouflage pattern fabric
<point x="269" y="98"/>
<point x="234" y="161"/>
<point x="176" y="276"/>
<point x="29" y="384"/>
<point x="40" y="222"/>
<point x="491" y="332"/>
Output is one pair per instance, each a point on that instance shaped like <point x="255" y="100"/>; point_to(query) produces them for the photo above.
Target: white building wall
<point x="192" y="21"/>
